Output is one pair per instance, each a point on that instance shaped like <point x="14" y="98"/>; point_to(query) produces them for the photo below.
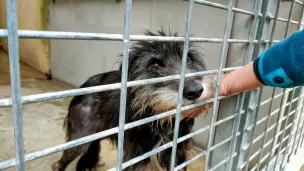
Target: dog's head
<point x="152" y="59"/>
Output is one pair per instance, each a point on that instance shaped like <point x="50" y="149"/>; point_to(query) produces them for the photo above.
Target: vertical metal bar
<point x="181" y="84"/>
<point x="284" y="129"/>
<point x="235" y="127"/>
<point x="274" y="89"/>
<point x="12" y="24"/>
<point x="255" y="54"/>
<point x="124" y="79"/>
<point x="284" y="91"/>
<point x="301" y="133"/>
<point x="300" y="27"/>
<point x="250" y="101"/>
<point x="292" y="126"/>
<point x="275" y="129"/>
<point x="290" y="105"/>
<point x="302" y="137"/>
<point x="297" y="129"/>
<point x="253" y="129"/>
<point x="218" y="80"/>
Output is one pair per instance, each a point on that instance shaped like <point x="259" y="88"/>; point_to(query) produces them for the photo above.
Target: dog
<point x="92" y="113"/>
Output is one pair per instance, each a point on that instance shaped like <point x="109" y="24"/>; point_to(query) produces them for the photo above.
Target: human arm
<point x="282" y="66"/>
<point x="240" y="80"/>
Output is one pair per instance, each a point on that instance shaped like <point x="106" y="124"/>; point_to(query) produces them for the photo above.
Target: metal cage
<point x="288" y="128"/>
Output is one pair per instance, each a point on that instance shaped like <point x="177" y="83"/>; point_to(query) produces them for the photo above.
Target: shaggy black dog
<point x="92" y="113"/>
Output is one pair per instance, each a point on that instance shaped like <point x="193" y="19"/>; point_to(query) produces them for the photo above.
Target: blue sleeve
<point x="282" y="65"/>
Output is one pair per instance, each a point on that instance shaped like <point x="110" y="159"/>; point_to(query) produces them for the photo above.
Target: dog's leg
<point x="68" y="156"/>
<point x="90" y="159"/>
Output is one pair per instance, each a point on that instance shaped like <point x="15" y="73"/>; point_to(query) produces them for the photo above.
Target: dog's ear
<point x="162" y="32"/>
<point x="150" y="33"/>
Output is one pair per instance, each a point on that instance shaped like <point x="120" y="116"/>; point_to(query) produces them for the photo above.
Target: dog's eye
<point x="189" y="59"/>
<point x="155" y="63"/>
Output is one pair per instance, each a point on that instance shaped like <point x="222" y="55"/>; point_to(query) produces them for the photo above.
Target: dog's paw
<point x="101" y="163"/>
<point x="57" y="167"/>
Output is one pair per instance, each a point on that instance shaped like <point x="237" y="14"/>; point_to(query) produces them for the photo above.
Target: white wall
<point x="73" y="61"/>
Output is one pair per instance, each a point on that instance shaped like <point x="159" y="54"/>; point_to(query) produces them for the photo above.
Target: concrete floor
<point x="42" y="122"/>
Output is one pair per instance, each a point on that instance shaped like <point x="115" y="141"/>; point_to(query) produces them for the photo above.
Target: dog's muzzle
<point x="192" y="90"/>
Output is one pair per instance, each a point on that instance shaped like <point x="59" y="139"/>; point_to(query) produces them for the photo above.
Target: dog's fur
<point x="92" y="113"/>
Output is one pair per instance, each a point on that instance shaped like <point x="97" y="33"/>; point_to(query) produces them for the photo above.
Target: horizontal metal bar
<point x="263" y="159"/>
<point x="227" y="118"/>
<point x="259" y="137"/>
<point x="299" y="2"/>
<point x="284" y="117"/>
<point x="283" y="20"/>
<point x="94" y="89"/>
<point x="181" y="166"/>
<point x="296" y="138"/>
<point x="268" y="41"/>
<point x="37" y="34"/>
<point x="277" y="96"/>
<point x="268" y="130"/>
<point x="161" y="148"/>
<point x="266" y="156"/>
<point x="186" y="163"/>
<point x="271" y="127"/>
<point x="223" y="162"/>
<point x="249" y="128"/>
<point x="241" y="11"/>
<point x="224" y="7"/>
<point x="77" y="142"/>
<point x="223" y="142"/>
<point x="267" y="144"/>
<point x="73" y="143"/>
<point x="148" y="154"/>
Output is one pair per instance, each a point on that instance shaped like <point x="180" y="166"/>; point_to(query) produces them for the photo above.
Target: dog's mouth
<point x="196" y="111"/>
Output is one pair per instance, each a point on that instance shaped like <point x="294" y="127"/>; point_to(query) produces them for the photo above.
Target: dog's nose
<point x="193" y="91"/>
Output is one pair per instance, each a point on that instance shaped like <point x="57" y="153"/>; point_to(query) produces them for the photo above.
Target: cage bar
<point x="300" y="27"/>
<point x="285" y="36"/>
<point x="218" y="80"/>
<point x="94" y="89"/>
<point x="12" y="24"/>
<point x="255" y="29"/>
<point x="266" y="144"/>
<point x="259" y="35"/>
<point x="92" y="137"/>
<point x="294" y="138"/>
<point x="273" y="92"/>
<point x="124" y="80"/>
<point x="181" y="84"/>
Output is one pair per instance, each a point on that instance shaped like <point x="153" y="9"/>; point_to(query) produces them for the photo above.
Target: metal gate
<point x="288" y="128"/>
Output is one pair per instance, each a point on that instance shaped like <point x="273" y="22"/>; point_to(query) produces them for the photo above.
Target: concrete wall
<point x="32" y="15"/>
<point x="73" y="61"/>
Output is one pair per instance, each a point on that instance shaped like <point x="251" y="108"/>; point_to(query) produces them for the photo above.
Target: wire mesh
<point x="294" y="138"/>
